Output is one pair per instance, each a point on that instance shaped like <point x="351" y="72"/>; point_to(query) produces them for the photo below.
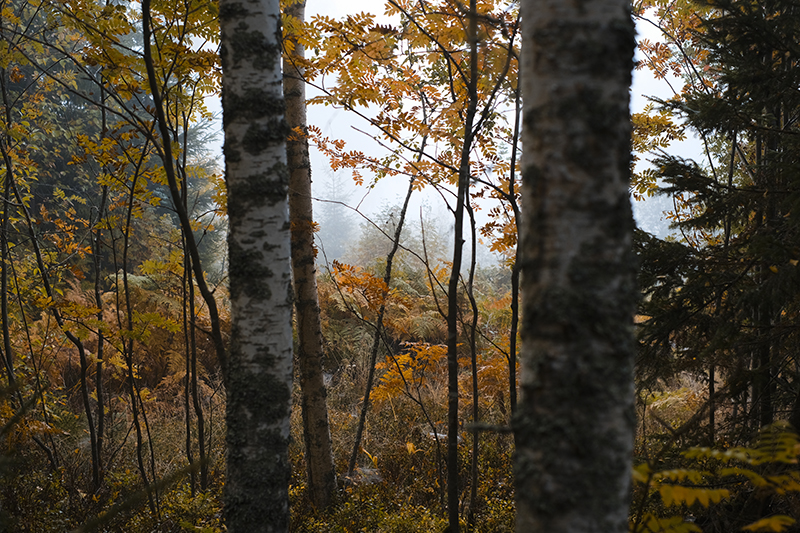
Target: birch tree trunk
<point x="260" y="362"/>
<point x="310" y="348"/>
<point x="575" y="419"/>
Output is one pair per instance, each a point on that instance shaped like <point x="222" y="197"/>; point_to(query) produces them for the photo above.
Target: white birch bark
<point x="260" y="363"/>
<point x="575" y="420"/>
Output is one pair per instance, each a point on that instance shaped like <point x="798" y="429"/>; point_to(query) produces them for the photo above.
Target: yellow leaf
<point x="641" y="472"/>
<point x="682" y="495"/>
<point x="667" y="494"/>
<point x="771" y="523"/>
<point x="672" y="524"/>
<point x="786" y="483"/>
<point x="774" y="269"/>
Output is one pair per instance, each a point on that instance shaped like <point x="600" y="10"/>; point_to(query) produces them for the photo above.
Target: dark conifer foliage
<point x="724" y="301"/>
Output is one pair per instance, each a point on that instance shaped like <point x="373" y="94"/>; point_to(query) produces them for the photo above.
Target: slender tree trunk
<point x="97" y="238"/>
<point x="473" y="354"/>
<point x="260" y="366"/>
<point x="512" y="199"/>
<point x="310" y="348"/>
<point x="98" y="369"/>
<point x="794" y="414"/>
<point x="127" y="344"/>
<point x="8" y="357"/>
<point x="87" y="409"/>
<point x="764" y="375"/>
<point x="191" y="336"/>
<point x="574" y="424"/>
<point x="198" y="407"/>
<point x="164" y="147"/>
<point x="376" y="341"/>
<point x="462" y="196"/>
<point x="187" y="379"/>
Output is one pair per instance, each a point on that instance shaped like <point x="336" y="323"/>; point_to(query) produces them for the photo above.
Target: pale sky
<point x="341" y="124"/>
<point x="338" y="123"/>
